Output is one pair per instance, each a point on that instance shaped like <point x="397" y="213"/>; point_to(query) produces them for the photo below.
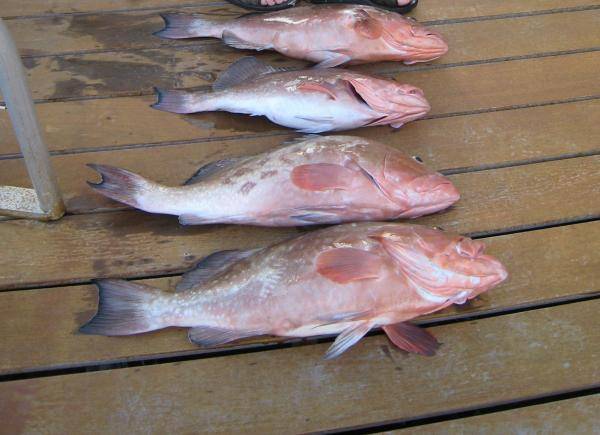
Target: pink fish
<point x="341" y="280"/>
<point x="331" y="35"/>
<point x="313" y="181"/>
<point x="310" y="101"/>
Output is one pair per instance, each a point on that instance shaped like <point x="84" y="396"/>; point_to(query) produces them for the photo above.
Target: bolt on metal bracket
<point x="44" y="201"/>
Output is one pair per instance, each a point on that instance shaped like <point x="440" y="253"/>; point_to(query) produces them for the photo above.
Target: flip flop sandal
<point x="255" y="5"/>
<point x="390" y="5"/>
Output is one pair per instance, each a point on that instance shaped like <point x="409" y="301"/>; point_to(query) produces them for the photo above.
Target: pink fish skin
<point x="344" y="280"/>
<point x="310" y="101"/>
<point x="316" y="180"/>
<point x="330" y="35"/>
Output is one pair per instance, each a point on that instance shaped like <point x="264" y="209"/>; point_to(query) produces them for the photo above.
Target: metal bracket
<point x="43" y="201"/>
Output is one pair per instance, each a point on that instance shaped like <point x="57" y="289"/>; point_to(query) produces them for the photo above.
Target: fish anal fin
<point x="207" y="336"/>
<point x="323" y="87"/>
<point x="307" y="216"/>
<point x="210" y="266"/>
<point x="241" y="71"/>
<point x="231" y="39"/>
<point x="344" y="265"/>
<point x="347" y="338"/>
<point x="411" y="338"/>
<point x="322" y="176"/>
<point x="210" y="169"/>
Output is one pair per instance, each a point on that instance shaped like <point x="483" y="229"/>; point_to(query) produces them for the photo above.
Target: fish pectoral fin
<point x="322" y="176"/>
<point x="411" y="338"/>
<point x="211" y="169"/>
<point x="347" y="338"/>
<point x="344" y="265"/>
<point x="241" y="71"/>
<point x="210" y="266"/>
<point x="333" y="59"/>
<point x="207" y="336"/>
<point x="367" y="26"/>
<point x="324" y="88"/>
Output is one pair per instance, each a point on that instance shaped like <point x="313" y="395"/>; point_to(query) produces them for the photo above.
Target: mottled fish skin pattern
<point x="317" y="180"/>
<point x="347" y="278"/>
<point x="311" y="101"/>
<point x="327" y="34"/>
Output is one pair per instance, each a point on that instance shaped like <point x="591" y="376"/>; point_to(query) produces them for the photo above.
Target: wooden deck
<point x="516" y="125"/>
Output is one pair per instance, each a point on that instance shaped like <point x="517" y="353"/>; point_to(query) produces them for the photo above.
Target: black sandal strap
<point x="255" y="5"/>
<point x="390" y="5"/>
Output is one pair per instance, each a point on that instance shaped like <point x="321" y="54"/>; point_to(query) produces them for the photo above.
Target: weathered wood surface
<point x="114" y="122"/>
<point x="495" y="360"/>
<point x="24" y="123"/>
<point x="135" y="244"/>
<point x="40" y="325"/>
<point x="130" y="73"/>
<point x="578" y="416"/>
<point x="428" y="9"/>
<point x="459" y="143"/>
<point x="81" y="34"/>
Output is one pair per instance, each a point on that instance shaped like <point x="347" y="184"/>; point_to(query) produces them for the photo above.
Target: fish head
<point x="419" y="189"/>
<point x="415" y="42"/>
<point x="442" y="267"/>
<point x="396" y="103"/>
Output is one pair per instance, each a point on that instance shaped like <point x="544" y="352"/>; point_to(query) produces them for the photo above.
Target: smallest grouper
<point x="318" y="180"/>
<point x="331" y="35"/>
<point x="310" y="101"/>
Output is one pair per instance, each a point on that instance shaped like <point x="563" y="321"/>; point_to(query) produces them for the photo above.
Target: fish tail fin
<point x="181" y="26"/>
<point x="177" y="101"/>
<point x="123" y="186"/>
<point x="123" y="309"/>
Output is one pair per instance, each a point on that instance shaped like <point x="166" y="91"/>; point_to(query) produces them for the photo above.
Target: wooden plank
<point x="127" y="72"/>
<point x="39" y="325"/>
<point x="108" y="122"/>
<point x="135" y="244"/>
<point x="496" y="360"/>
<point x="455" y="143"/>
<point x="428" y="9"/>
<point x="572" y="416"/>
<point x="133" y="30"/>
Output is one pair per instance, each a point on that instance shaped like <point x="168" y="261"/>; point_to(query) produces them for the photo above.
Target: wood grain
<point x="578" y="416"/>
<point x="456" y="143"/>
<point x="428" y="9"/>
<point x="136" y="244"/>
<point x="40" y="325"/>
<point x="471" y="40"/>
<point x="108" y="122"/>
<point x="129" y="72"/>
<point x="499" y="359"/>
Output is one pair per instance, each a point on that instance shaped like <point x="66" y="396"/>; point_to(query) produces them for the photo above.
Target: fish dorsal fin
<point x="210" y="169"/>
<point x="347" y="338"/>
<point x="242" y="71"/>
<point x="322" y="176"/>
<point x="344" y="265"/>
<point x="211" y="266"/>
<point x="301" y="139"/>
<point x="411" y="338"/>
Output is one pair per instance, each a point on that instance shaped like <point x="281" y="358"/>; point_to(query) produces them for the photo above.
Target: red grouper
<point x="344" y="280"/>
<point x="316" y="180"/>
<point x="310" y="101"/>
<point x="331" y="35"/>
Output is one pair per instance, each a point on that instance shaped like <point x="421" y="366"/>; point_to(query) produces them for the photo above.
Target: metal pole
<point x="19" y="103"/>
